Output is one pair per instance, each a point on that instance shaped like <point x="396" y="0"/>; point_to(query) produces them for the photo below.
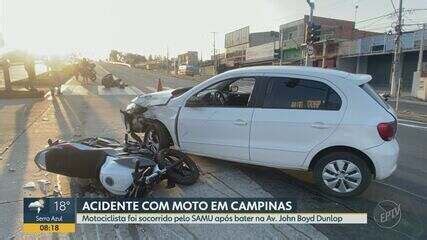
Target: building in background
<point x="238" y="41"/>
<point x="188" y="63"/>
<point x="264" y="54"/>
<point x="325" y="52"/>
<point x="374" y="55"/>
<point x="214" y="65"/>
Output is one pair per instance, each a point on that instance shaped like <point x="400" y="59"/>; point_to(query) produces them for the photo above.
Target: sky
<point x="93" y="27"/>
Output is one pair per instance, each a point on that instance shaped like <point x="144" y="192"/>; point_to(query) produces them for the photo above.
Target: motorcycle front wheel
<point x="185" y="173"/>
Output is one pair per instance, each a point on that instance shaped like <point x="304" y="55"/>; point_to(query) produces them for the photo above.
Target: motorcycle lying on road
<point x="130" y="169"/>
<point x="108" y="81"/>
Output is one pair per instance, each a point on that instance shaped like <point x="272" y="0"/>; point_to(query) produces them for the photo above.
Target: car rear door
<point x="217" y="131"/>
<point x="297" y="114"/>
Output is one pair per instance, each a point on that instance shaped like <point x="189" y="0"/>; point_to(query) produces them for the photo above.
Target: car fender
<point x="166" y="115"/>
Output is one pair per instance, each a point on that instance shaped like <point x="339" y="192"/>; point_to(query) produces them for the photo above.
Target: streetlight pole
<point x="281" y="48"/>
<point x="214" y="52"/>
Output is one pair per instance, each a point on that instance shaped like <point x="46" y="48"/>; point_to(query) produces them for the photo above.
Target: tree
<point x="115" y="56"/>
<point x="132" y="58"/>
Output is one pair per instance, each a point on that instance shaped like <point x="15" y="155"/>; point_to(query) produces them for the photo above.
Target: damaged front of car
<point x="155" y="111"/>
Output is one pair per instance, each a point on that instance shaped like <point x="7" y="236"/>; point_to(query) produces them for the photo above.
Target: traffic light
<point x="277" y="54"/>
<point x="313" y="33"/>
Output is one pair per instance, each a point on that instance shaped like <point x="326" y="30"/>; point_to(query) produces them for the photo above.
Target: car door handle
<point x="240" y="122"/>
<point x="319" y="125"/>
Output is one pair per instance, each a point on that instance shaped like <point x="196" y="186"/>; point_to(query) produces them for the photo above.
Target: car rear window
<point x="371" y="92"/>
<point x="293" y="93"/>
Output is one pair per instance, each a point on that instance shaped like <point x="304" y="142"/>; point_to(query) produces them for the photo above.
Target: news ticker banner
<point x="62" y="214"/>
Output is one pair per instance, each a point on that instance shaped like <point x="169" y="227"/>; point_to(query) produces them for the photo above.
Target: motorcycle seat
<point x="130" y="161"/>
<point x="75" y="162"/>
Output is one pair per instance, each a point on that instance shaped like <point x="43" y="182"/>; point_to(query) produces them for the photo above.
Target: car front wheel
<point x="155" y="138"/>
<point x="342" y="174"/>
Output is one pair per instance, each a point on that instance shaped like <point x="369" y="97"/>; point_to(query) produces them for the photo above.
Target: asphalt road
<point x="407" y="186"/>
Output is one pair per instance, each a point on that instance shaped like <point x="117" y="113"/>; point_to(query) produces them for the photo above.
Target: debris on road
<point x="11" y="169"/>
<point x="30" y="186"/>
<point x="43" y="183"/>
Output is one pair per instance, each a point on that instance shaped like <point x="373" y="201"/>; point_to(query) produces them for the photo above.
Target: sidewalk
<point x="30" y="124"/>
<point x="410" y="108"/>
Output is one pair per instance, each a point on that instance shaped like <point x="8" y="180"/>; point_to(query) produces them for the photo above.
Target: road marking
<point x="402" y="189"/>
<point x="412" y="126"/>
<point x="118" y="91"/>
<point x="412" y="121"/>
<point x="74" y="90"/>
<point x="102" y="68"/>
<point x="137" y="90"/>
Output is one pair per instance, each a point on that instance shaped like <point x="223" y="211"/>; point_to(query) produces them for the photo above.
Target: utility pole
<point x="281" y="47"/>
<point x="167" y="59"/>
<point x="395" y="80"/>
<point x="356" y="7"/>
<point x="214" y="52"/>
<point x="167" y="52"/>
<point x="309" y="44"/>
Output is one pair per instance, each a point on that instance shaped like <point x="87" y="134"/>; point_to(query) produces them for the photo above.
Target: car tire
<point x="342" y="174"/>
<point x="155" y="134"/>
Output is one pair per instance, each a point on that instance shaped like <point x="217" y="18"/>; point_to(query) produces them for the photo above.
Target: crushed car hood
<point x="153" y="99"/>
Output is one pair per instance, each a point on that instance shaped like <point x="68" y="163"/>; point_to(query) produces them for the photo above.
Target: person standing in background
<point x="31" y="72"/>
<point x="76" y="71"/>
<point x="56" y="71"/>
<point x="84" y="69"/>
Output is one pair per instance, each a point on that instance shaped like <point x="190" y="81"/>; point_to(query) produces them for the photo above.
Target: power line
<point x="391" y="14"/>
<point x="375" y="18"/>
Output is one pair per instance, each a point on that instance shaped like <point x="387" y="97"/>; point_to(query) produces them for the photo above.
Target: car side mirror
<point x="193" y="101"/>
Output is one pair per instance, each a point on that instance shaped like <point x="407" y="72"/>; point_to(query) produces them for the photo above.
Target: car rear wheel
<point x="342" y="174"/>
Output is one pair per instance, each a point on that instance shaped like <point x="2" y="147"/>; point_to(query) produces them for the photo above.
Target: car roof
<point x="358" y="79"/>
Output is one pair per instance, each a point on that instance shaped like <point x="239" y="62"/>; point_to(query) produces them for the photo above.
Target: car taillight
<point x="387" y="130"/>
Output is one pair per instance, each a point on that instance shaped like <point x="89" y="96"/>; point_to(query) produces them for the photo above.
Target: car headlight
<point x="130" y="108"/>
<point x="134" y="108"/>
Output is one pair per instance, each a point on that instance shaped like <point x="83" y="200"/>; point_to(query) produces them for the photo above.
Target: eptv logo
<point x="387" y="214"/>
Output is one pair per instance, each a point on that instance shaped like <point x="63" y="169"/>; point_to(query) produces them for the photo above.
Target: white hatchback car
<point x="330" y="122"/>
